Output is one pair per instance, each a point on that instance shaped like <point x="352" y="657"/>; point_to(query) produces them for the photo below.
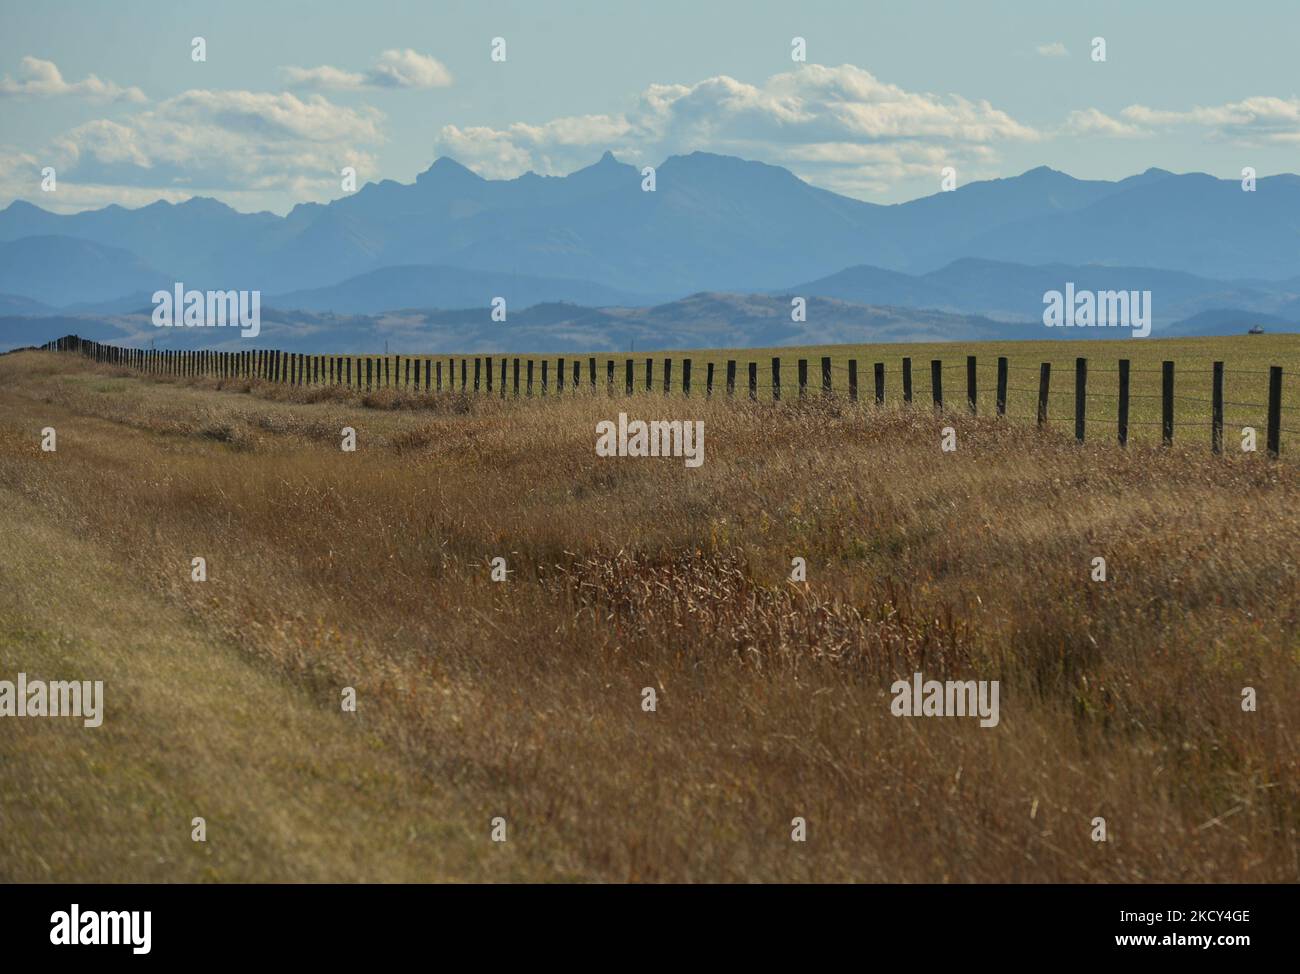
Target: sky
<point x="110" y="96"/>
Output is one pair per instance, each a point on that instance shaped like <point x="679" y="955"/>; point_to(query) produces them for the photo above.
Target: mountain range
<point x="714" y="224"/>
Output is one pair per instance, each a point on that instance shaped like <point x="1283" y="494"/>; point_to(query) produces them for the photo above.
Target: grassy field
<point x="523" y="699"/>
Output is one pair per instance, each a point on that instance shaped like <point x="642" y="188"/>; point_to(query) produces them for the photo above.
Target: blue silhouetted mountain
<point x="1015" y="291"/>
<point x="1191" y="222"/>
<point x="193" y="238"/>
<point x="60" y="271"/>
<point x="423" y="286"/>
<point x="713" y="223"/>
<point x="13" y="304"/>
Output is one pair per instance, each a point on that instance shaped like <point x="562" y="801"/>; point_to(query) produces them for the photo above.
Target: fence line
<point x="300" y="369"/>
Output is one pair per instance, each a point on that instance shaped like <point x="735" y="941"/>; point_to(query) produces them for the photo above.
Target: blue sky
<point x="890" y="93"/>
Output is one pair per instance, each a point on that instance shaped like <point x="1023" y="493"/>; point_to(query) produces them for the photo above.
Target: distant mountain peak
<point x="605" y="169"/>
<point x="445" y="167"/>
<point x="205" y="203"/>
<point x="1045" y="172"/>
<point x="713" y="165"/>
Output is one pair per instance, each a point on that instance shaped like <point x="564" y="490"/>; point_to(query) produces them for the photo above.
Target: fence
<point x="366" y="373"/>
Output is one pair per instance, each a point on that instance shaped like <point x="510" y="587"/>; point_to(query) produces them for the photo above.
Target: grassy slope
<point x="522" y="699"/>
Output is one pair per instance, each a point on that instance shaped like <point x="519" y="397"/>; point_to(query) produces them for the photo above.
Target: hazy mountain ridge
<point x="703" y="320"/>
<point x="589" y="260"/>
<point x="1014" y="291"/>
<point x="714" y="222"/>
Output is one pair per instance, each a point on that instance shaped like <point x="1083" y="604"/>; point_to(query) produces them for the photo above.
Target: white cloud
<point x="1260" y="120"/>
<point x="849" y="127"/>
<point x="43" y="79"/>
<point x="229" y="143"/>
<point x="1091" y="121"/>
<point x="1054" y="49"/>
<point x="394" y="69"/>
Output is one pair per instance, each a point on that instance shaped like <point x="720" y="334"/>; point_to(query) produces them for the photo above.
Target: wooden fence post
<point x="708" y="381"/>
<point x="803" y="377"/>
<point x="936" y="383"/>
<point x="1216" y="410"/>
<point x="1002" y="385"/>
<point x="971" y="383"/>
<point x="627" y="378"/>
<point x="559" y="377"/>
<point x="1167" y="402"/>
<point x="515" y="375"/>
<point x="1044" y="389"/>
<point x="776" y="378"/>
<point x="478" y="365"/>
<point x="1275" y="410"/>
<point x="826" y="375"/>
<point x="544" y="376"/>
<point x="668" y="374"/>
<point x="609" y="376"/>
<point x="731" y="378"/>
<point x="591" y="368"/>
<point x="1080" y="397"/>
<point x="686" y="377"/>
<point x="879" y="370"/>
<point x="1123" y="401"/>
<point x="649" y="374"/>
<point x="907" y="380"/>
<point x="853" y="380"/>
<point x="753" y="381"/>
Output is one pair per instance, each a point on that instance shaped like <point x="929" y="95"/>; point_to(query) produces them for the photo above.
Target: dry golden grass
<point x="522" y="699"/>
